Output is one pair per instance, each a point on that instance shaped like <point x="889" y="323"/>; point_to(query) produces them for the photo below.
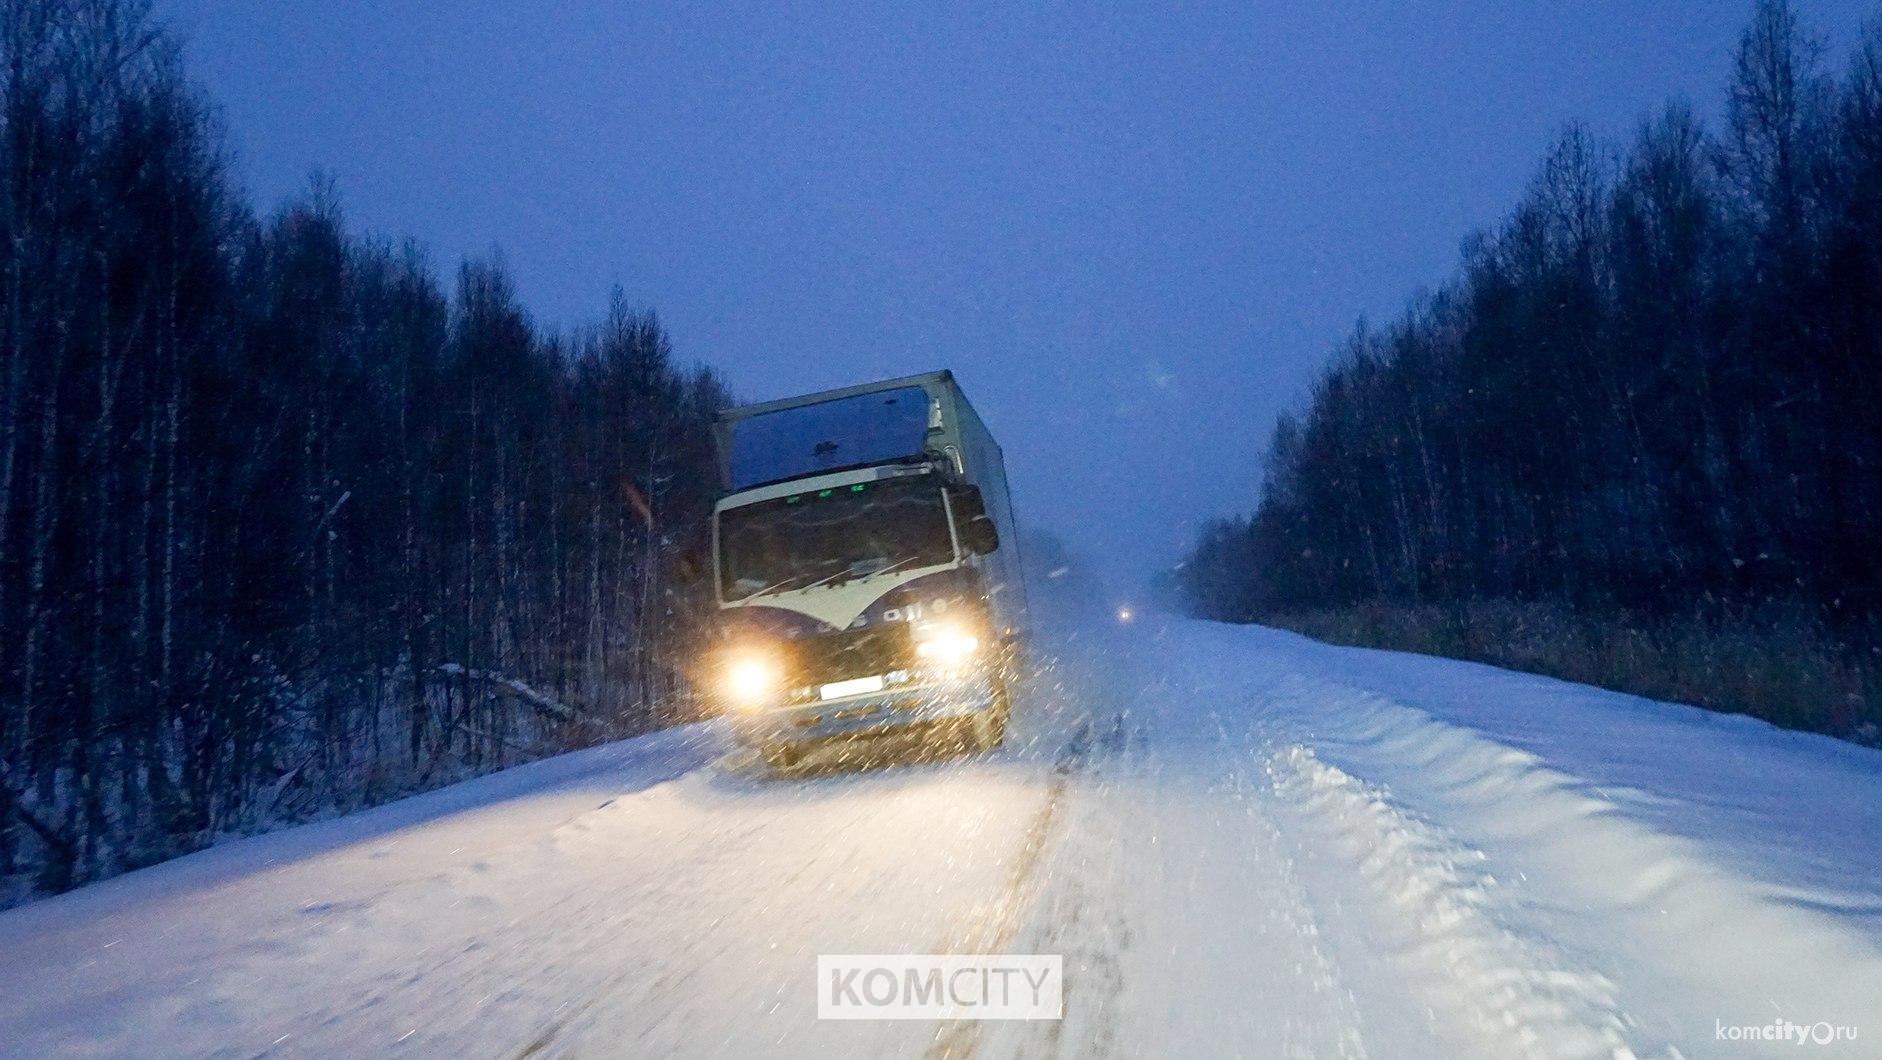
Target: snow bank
<point x="1438" y="908"/>
<point x="1602" y="871"/>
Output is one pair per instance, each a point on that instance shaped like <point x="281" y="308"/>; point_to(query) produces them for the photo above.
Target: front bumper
<point x="876" y="713"/>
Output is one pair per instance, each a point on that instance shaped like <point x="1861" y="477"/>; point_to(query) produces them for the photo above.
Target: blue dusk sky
<point x="1134" y="230"/>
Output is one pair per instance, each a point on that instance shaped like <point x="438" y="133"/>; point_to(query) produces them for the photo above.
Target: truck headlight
<point x="946" y="645"/>
<point x="750" y="680"/>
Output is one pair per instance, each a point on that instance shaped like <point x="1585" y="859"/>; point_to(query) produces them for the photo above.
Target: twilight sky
<point x="1134" y="230"/>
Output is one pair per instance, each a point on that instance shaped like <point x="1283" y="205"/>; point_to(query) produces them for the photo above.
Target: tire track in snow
<point x="629" y="990"/>
<point x="1087" y="927"/>
<point x="994" y="930"/>
<point x="1169" y="895"/>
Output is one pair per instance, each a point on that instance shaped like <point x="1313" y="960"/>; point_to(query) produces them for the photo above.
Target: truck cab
<point x="866" y="570"/>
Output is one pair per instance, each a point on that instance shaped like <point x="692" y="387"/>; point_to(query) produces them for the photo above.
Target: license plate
<point x="839" y="689"/>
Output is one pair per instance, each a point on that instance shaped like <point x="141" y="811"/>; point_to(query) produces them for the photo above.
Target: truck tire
<point x="982" y="731"/>
<point x="987" y="729"/>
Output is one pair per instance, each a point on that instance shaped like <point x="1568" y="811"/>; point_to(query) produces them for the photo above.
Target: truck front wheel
<point x="987" y="728"/>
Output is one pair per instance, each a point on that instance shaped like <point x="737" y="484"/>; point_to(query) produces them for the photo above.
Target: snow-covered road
<point x="1242" y="842"/>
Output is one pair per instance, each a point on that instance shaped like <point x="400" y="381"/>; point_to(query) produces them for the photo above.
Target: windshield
<point x="832" y="535"/>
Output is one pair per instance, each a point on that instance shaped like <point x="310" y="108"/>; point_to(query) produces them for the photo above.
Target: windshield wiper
<point x="851" y="569"/>
<point x="773" y="587"/>
<point x="779" y="586"/>
<point x="897" y="565"/>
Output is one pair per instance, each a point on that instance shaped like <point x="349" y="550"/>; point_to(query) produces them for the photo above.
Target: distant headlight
<point x="751" y="680"/>
<point x="946" y="645"/>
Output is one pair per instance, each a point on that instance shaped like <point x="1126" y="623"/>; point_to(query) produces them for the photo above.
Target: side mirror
<point x="977" y="532"/>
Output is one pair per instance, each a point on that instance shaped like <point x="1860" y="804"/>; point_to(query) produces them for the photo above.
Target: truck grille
<point x="853" y="653"/>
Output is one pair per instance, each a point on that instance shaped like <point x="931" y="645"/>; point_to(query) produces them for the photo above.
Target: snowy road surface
<point x="1242" y="842"/>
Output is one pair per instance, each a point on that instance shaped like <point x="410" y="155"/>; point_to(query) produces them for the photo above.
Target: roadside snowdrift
<point x="1583" y="869"/>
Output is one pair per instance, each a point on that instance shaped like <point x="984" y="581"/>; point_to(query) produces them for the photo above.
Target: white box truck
<point x="867" y="569"/>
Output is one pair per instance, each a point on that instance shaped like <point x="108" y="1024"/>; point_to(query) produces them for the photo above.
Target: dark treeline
<point x="283" y="528"/>
<point x="1654" y="391"/>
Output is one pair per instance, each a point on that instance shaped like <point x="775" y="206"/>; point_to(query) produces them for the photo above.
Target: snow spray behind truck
<point x="867" y="568"/>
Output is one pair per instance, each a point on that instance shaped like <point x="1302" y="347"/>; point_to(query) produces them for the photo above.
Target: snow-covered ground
<point x="1242" y="842"/>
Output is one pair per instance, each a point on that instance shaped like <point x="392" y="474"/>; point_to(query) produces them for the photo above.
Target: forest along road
<point x="1241" y="842"/>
